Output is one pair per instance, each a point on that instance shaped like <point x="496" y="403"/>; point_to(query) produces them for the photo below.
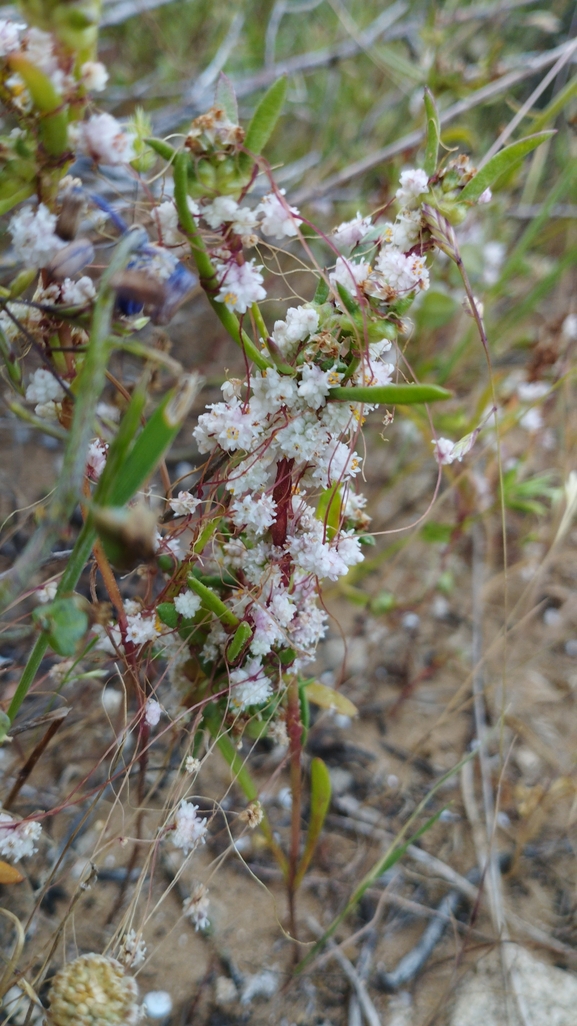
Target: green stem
<point x="68" y="582"/>
<point x="206" y="271"/>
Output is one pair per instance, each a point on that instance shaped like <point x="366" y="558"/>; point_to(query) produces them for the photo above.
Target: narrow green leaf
<point x="164" y="149"/>
<point x="405" y="395"/>
<point x="211" y="600"/>
<point x="329" y="510"/>
<point x="320" y="801"/>
<point x="225" y="97"/>
<point x="122" y="441"/>
<point x="42" y="92"/>
<point x="153" y="441"/>
<point x="241" y="637"/>
<point x="265" y="118"/>
<point x="322" y="291"/>
<point x="349" y="303"/>
<point x="433" y="133"/>
<point x="500" y="163"/>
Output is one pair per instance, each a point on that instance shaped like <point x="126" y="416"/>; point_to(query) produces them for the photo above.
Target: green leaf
<point x="153" y="441"/>
<point x="329" y="510"/>
<point x="349" y="303"/>
<point x="320" y="801"/>
<point x="433" y="134"/>
<point x="211" y="600"/>
<point x="166" y="612"/>
<point x="241" y="637"/>
<point x="327" y="698"/>
<point x="264" y="119"/>
<point x="225" y="97"/>
<point x="405" y="395"/>
<point x="15" y="197"/>
<point x="164" y="149"/>
<point x="120" y="445"/>
<point x="64" y="621"/>
<point x="322" y="292"/>
<point x="500" y="163"/>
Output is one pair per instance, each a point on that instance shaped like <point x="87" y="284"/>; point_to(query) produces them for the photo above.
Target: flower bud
<point x="93" y="990"/>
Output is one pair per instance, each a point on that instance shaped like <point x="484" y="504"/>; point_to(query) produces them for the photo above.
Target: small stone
<point x="225" y="992"/>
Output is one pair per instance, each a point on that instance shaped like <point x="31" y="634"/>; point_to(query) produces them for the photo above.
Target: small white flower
<point x="94" y="76"/>
<point x="152" y="712"/>
<point x="299" y="323"/>
<point x="249" y="685"/>
<point x="9" y="36"/>
<point x="316" y="384"/>
<point x="48" y="411"/>
<point x="43" y="387"/>
<point x="141" y="629"/>
<point x="48" y="592"/>
<point x="349" y="274"/>
<point x="414" y="183"/>
<point x="104" y="139"/>
<point x="190" y="830"/>
<point x="447" y="452"/>
<point x="257" y="514"/>
<point x="196" y="907"/>
<point x="350" y="233"/>
<point x="191" y="764"/>
<point x="184" y="504"/>
<point x="485" y="197"/>
<point x="278" y="218"/>
<point x="241" y="285"/>
<point x="77" y="293"/>
<point x="167" y="218"/>
<point x="33" y="236"/>
<point x="96" y="461"/>
<point x="187" y="604"/>
<point x="17" y="839"/>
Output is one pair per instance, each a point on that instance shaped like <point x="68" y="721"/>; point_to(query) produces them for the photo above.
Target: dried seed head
<point x="93" y="991"/>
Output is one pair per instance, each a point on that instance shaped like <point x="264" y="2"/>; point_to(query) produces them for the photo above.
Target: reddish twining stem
<point x="282" y="493"/>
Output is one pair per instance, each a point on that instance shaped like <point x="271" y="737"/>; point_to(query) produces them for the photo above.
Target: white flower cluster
<point x="196" y="907"/>
<point x="189" y="830"/>
<point x="34" y="236"/>
<point x="104" y="139"/>
<point x="9" y="36"/>
<point x="43" y="387"/>
<point x="17" y="840"/>
<point x="132" y="950"/>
